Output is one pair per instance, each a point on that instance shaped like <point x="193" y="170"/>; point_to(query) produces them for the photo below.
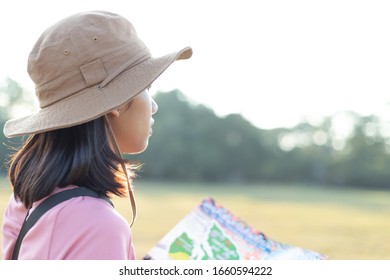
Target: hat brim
<point x="93" y="102"/>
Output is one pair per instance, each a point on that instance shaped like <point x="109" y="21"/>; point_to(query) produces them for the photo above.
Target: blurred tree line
<point x="10" y="93"/>
<point x="190" y="142"/>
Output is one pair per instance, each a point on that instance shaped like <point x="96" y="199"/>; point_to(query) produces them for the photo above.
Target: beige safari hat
<point x="83" y="67"/>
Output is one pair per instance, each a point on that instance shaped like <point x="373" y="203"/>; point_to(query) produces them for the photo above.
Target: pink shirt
<point x="81" y="228"/>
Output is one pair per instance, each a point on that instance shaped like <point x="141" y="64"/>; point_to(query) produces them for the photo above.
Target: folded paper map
<point x="211" y="232"/>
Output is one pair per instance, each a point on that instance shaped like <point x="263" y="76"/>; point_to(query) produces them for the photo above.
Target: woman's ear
<point x="114" y="113"/>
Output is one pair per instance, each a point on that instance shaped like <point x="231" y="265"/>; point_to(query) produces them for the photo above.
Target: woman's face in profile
<point x="132" y="123"/>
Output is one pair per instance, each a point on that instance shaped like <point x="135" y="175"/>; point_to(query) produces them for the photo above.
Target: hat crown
<point x="83" y="67"/>
<point x="77" y="40"/>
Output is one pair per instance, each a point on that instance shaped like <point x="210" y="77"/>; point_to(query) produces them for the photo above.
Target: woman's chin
<point x="136" y="150"/>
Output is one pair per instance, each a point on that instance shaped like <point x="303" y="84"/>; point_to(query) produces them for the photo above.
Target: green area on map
<point x="219" y="247"/>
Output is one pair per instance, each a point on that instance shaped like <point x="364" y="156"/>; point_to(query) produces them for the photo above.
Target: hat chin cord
<point x="118" y="152"/>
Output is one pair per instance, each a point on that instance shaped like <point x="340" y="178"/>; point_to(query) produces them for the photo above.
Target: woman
<point x="92" y="75"/>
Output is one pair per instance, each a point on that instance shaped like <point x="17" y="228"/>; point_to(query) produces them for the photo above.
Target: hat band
<point x="101" y="70"/>
<point x="141" y="56"/>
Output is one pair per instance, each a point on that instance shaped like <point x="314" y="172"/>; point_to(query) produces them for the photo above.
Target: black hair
<point x="80" y="155"/>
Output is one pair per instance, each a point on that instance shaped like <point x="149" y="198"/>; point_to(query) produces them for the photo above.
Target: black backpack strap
<point x="47" y="204"/>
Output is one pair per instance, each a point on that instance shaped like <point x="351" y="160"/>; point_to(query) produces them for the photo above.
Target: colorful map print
<point x="217" y="247"/>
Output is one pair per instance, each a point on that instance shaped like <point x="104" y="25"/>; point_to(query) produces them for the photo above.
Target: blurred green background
<point x="317" y="185"/>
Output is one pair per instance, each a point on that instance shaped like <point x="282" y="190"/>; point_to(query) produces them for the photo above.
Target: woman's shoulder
<point x="87" y="210"/>
<point x="90" y="228"/>
<point x="82" y="227"/>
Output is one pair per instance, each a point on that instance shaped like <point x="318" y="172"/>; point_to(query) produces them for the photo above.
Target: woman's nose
<point x="154" y="107"/>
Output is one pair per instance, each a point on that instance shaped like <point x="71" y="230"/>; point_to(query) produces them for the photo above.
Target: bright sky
<point x="276" y="62"/>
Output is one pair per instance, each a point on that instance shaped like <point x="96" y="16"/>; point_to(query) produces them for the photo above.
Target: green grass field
<point x="341" y="223"/>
